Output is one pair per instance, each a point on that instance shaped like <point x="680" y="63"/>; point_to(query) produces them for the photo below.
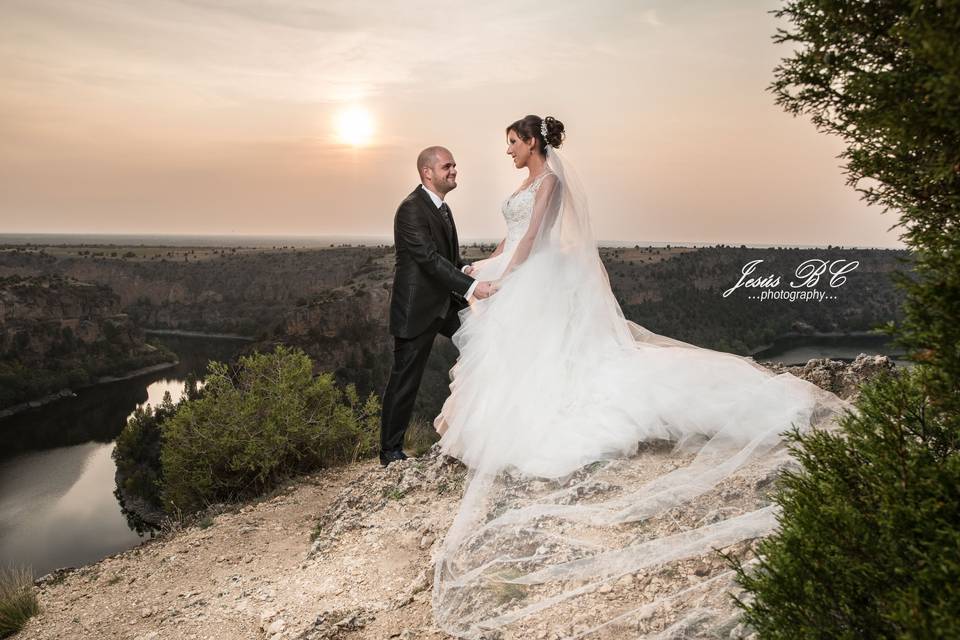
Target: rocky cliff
<point x="202" y="289"/>
<point x="35" y="311"/>
<point x="57" y="331"/>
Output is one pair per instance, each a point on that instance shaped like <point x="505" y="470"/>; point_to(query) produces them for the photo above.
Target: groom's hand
<point x="483" y="290"/>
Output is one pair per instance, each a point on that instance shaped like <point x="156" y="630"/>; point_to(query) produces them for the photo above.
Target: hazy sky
<point x="218" y="116"/>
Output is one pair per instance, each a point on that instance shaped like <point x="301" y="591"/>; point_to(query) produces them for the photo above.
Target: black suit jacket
<point x="427" y="280"/>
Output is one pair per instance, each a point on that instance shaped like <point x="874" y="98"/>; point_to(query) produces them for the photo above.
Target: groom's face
<point x="443" y="173"/>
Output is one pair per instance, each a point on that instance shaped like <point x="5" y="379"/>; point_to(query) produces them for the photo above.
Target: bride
<point x="606" y="463"/>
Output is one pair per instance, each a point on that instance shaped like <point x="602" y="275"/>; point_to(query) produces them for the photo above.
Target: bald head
<point x="428" y="157"/>
<point x="437" y="169"/>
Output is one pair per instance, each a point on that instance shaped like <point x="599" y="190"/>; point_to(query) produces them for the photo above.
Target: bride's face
<point x="519" y="150"/>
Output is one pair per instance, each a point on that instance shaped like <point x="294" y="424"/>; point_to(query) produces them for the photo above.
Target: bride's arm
<point x="546" y="204"/>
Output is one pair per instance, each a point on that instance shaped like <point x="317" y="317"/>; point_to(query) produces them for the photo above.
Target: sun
<point x="354" y="126"/>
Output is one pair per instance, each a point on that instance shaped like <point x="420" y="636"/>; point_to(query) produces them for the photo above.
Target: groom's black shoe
<point x="386" y="457"/>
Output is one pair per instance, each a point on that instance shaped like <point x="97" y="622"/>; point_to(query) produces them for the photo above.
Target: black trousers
<point x="410" y="357"/>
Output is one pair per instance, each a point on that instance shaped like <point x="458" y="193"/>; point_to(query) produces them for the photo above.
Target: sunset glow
<point x="202" y="116"/>
<point x="354" y="126"/>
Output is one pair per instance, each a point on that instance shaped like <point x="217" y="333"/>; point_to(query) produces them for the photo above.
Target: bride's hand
<point x="474" y="266"/>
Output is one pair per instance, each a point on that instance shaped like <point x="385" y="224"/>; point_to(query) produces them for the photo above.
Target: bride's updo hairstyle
<point x="530" y="127"/>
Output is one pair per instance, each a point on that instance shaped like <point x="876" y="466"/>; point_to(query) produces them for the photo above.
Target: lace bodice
<point x="518" y="209"/>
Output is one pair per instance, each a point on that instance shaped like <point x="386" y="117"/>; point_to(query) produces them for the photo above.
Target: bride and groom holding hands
<point x="552" y="398"/>
<point x="432" y="285"/>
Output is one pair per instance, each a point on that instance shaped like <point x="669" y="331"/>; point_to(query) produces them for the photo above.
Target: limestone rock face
<point x="836" y="376"/>
<point x="42" y="315"/>
<point x="57" y="332"/>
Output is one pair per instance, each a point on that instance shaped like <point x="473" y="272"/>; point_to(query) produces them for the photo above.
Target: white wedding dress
<point x="599" y="453"/>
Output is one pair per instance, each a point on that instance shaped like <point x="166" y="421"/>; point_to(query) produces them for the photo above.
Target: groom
<point x="430" y="285"/>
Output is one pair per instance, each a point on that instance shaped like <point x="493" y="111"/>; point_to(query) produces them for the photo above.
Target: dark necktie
<point x="445" y="214"/>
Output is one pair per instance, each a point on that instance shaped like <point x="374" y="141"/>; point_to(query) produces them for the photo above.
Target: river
<point x="57" y="502"/>
<point x="799" y="349"/>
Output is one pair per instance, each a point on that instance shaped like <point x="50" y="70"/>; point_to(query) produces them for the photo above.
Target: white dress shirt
<point x="437" y="200"/>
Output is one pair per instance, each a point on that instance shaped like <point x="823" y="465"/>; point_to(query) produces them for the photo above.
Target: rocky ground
<point x="255" y="572"/>
<point x="342" y="553"/>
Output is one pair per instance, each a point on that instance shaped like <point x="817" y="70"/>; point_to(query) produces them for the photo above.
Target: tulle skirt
<point x="545" y="384"/>
<point x="556" y="400"/>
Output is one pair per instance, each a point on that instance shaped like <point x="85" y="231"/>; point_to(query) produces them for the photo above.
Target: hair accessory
<point x="543" y="131"/>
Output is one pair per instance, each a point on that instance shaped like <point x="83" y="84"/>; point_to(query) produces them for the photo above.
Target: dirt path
<point x="254" y="573"/>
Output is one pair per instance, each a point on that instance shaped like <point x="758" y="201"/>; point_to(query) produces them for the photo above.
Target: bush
<point x="256" y="426"/>
<point x="869" y="542"/>
<point x="137" y="452"/>
<point x="18" y="600"/>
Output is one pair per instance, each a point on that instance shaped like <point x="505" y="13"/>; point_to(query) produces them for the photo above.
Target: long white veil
<point x="614" y="460"/>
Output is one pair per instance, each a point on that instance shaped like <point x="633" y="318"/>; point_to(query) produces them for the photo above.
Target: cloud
<point x="292" y="49"/>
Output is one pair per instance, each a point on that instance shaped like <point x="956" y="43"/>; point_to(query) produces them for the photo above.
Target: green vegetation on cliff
<point x="248" y="429"/>
<point x="137" y="456"/>
<point x="682" y="297"/>
<point x="57" y="333"/>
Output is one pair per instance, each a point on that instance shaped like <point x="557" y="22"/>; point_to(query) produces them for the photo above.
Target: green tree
<point x="258" y="424"/>
<point x="137" y="451"/>
<point x="869" y="542"/>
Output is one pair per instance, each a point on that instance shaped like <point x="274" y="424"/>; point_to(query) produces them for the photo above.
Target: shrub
<point x="137" y="452"/>
<point x="18" y="600"/>
<point x="258" y="425"/>
<point x="869" y="537"/>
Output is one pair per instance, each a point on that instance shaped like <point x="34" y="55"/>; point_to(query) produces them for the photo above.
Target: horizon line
<point x="388" y="240"/>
